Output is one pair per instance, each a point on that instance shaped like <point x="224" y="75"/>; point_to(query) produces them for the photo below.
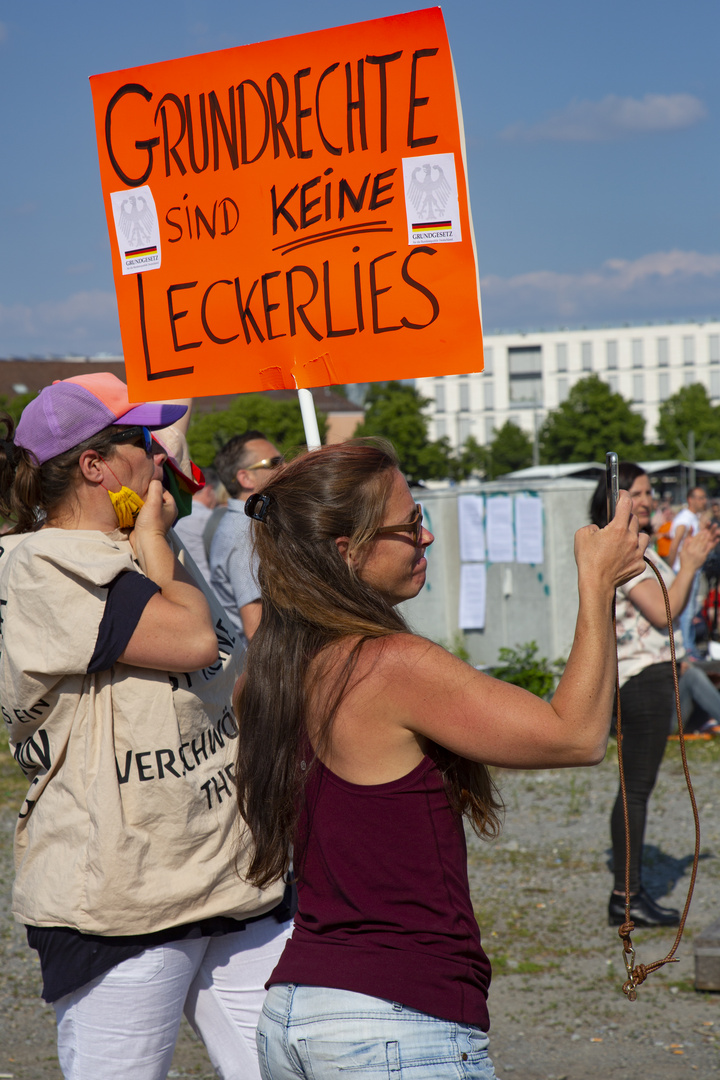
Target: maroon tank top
<point x="384" y="901"/>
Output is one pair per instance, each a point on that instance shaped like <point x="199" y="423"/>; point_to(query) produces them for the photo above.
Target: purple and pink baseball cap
<point x="70" y="411"/>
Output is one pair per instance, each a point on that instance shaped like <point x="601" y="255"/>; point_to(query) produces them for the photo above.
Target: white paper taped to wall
<point x="529" y="538"/>
<point x="471" y="525"/>
<point x="473" y="577"/>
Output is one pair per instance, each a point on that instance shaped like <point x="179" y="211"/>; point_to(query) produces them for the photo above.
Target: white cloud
<point x="84" y="323"/>
<point x="25" y="209"/>
<point x="612" y="118"/>
<point x="76" y="269"/>
<point x="657" y="286"/>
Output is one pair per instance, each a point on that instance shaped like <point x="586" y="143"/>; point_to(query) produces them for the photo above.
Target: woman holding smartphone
<point x="363" y="746"/>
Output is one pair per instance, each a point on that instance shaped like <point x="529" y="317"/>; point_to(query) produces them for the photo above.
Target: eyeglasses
<point x="414" y="527"/>
<point x="142" y="436"/>
<point x="267" y="463"/>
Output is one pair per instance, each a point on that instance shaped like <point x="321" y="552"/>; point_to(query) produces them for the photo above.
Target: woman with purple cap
<point x="116" y="677"/>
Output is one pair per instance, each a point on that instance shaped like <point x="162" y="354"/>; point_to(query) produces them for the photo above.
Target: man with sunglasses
<point x="244" y="465"/>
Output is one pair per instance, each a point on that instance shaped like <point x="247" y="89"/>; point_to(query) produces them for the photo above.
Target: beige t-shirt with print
<point x="130" y="822"/>
<point x="639" y="643"/>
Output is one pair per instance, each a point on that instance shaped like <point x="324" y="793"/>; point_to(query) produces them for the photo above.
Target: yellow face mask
<point x="127" y="505"/>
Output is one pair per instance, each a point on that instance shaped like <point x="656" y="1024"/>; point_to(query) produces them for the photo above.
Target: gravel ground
<point x="540" y="891"/>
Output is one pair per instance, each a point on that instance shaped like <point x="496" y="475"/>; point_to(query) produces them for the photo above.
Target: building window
<point x="714" y="348"/>
<point x="612" y="381"/>
<point x="586" y="355"/>
<point x="464" y="429"/>
<point x="439" y="397"/>
<point x="488" y="355"/>
<point x="561" y="356"/>
<point x="690" y="377"/>
<point x="489" y="430"/>
<point x="611" y="355"/>
<point x="562" y="390"/>
<point x="637" y="352"/>
<point x="489" y="396"/>
<point x="688" y="346"/>
<point x="464" y="395"/>
<point x="664" y="385"/>
<point x="638" y="388"/>
<point x="525" y="375"/>
<point x="715" y="384"/>
<point x="663" y="352"/>
<point x="440" y="428"/>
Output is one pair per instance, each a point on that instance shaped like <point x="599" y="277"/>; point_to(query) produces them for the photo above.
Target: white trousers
<point x="125" y="1023"/>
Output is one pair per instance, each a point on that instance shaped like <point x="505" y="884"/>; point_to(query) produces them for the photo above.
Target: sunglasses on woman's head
<point x="137" y="434"/>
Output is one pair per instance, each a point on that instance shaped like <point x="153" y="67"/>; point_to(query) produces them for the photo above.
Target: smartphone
<point x="611" y="483"/>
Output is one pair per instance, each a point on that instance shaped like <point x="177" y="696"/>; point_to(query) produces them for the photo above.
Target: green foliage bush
<point x="523" y="667"/>
<point x="280" y="421"/>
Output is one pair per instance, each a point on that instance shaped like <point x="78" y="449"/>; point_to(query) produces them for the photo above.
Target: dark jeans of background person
<point x="646" y="703"/>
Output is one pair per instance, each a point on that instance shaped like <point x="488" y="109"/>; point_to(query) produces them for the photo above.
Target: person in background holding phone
<point x="646" y="689"/>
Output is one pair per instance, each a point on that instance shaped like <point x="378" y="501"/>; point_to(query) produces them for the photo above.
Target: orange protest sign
<point x="291" y="213"/>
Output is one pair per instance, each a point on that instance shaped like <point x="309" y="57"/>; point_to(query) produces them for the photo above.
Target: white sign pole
<point x="309" y="418"/>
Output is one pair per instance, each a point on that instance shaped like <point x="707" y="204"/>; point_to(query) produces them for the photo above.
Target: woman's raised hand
<point x="695" y="549"/>
<point x="611" y="556"/>
<point x="175" y="631"/>
<point x="155" y="518"/>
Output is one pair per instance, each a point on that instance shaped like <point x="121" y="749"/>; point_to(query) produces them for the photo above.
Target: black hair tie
<point x="256" y="506"/>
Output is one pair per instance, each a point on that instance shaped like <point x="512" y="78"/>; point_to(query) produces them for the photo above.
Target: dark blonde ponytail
<point x="28" y="491"/>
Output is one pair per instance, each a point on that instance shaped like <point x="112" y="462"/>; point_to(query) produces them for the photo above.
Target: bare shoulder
<point x="393" y="676"/>
<point x="406" y="660"/>
<point x="395" y="650"/>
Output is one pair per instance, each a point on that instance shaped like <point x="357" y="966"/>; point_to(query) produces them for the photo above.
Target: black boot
<point x="643" y="911"/>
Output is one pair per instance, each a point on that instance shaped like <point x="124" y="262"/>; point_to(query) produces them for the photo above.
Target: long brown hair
<point x="312" y="599"/>
<point x="28" y="491"/>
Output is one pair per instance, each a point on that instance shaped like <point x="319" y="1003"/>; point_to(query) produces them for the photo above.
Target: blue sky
<point x="592" y="128"/>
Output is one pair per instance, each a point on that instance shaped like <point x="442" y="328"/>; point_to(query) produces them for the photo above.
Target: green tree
<point x="280" y="421"/>
<point x="15" y="405"/>
<point x="395" y="411"/>
<point x="689" y="409"/>
<point x="470" y="458"/>
<point x="510" y="449"/>
<point x="590" y="422"/>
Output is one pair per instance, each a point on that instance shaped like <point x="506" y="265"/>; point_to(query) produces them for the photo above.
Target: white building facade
<point x="529" y="374"/>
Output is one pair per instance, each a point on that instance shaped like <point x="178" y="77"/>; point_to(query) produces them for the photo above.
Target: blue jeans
<point x="686" y="616"/>
<point x="696" y="689"/>
<point x="323" y="1034"/>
